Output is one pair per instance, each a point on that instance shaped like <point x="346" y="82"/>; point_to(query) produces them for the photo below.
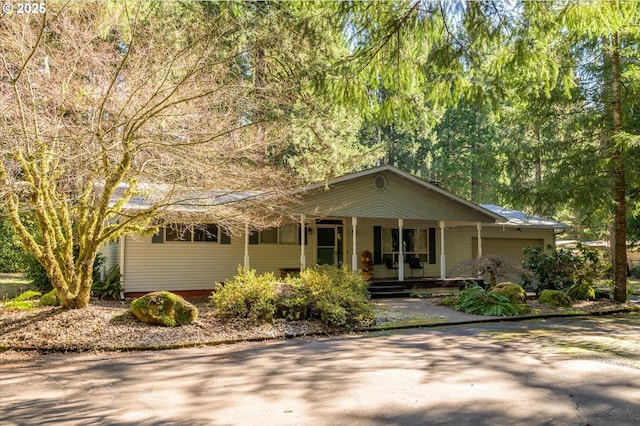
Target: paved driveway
<point x="486" y="374"/>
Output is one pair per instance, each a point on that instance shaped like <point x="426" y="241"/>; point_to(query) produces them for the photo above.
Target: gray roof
<point x="517" y="218"/>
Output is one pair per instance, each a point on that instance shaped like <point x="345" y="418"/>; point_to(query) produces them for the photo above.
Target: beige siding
<point x="179" y="265"/>
<point x="197" y="266"/>
<point x="512" y="238"/>
<point x="111" y="251"/>
<point x="400" y="198"/>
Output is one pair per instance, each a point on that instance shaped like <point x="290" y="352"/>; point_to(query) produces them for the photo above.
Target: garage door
<point x="505" y="247"/>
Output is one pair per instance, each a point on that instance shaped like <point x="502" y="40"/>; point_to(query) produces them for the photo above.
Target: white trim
<point x="354" y="255"/>
<point x="479" y="227"/>
<point x="443" y="259"/>
<point x="400" y="251"/>
<point x="246" y="244"/>
<point x="303" y="237"/>
<point x="122" y="257"/>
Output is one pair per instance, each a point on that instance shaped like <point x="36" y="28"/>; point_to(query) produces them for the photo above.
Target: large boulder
<point x="164" y="308"/>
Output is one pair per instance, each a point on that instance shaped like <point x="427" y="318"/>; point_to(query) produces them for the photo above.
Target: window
<point x="191" y="233"/>
<point x="289" y="234"/>
<point x="269" y="236"/>
<point x="286" y="234"/>
<point x="205" y="233"/>
<point x="415" y="244"/>
<point x="178" y="232"/>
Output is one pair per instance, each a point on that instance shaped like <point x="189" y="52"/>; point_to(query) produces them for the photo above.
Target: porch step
<point x="387" y="291"/>
<point x="389" y="295"/>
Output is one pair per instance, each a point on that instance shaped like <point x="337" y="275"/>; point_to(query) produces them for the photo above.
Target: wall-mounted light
<point x="309" y="231"/>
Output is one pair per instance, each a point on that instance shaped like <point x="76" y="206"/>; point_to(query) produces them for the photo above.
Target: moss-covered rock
<point x="514" y="292"/>
<point x="555" y="298"/>
<point x="50" y="299"/>
<point x="164" y="308"/>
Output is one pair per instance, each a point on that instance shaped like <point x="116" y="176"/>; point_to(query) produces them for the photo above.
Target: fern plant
<point x="109" y="287"/>
<point x="477" y="301"/>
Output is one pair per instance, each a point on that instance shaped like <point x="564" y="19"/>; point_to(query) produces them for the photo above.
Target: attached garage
<point x="506" y="247"/>
<point x="521" y="230"/>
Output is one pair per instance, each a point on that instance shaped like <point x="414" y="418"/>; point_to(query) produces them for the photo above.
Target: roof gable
<point x="388" y="192"/>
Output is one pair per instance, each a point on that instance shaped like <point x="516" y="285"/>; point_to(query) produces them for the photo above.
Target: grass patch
<point x="12" y="285"/>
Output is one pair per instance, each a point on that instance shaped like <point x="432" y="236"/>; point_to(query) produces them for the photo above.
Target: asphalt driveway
<point x="482" y="374"/>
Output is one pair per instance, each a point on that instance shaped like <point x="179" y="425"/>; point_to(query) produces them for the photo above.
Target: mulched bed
<point x="109" y="326"/>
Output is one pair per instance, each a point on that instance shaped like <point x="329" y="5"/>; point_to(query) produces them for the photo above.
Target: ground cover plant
<point x="475" y="300"/>
<point x="26" y="300"/>
<point x="335" y="296"/>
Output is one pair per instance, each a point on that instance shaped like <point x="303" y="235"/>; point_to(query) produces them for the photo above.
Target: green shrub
<point x="335" y="296"/>
<point x="560" y="269"/>
<point x="331" y="313"/>
<point x="12" y="254"/>
<point x="247" y="295"/>
<point x="335" y="289"/>
<point x="109" y="287"/>
<point x="512" y="291"/>
<point x="449" y="301"/>
<point x="635" y="271"/>
<point x="38" y="275"/>
<point x="554" y="298"/>
<point x="292" y="301"/>
<point x="477" y="301"/>
<point x="582" y="291"/>
<point x="50" y="299"/>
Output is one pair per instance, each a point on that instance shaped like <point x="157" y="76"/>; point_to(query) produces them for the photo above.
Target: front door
<point x="330" y="250"/>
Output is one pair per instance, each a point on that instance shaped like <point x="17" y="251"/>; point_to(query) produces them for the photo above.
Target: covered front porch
<point x="384" y="222"/>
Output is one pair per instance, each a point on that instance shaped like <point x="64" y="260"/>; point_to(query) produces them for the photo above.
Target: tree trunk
<point x="619" y="243"/>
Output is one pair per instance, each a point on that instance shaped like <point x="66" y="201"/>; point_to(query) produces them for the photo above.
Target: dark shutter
<point x="225" y="238"/>
<point x="306" y="232"/>
<point x="158" y="237"/>
<point x="432" y="246"/>
<point x="377" y="245"/>
<point x="254" y="237"/>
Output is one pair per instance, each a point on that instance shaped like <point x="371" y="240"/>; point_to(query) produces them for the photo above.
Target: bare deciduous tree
<point x="112" y="114"/>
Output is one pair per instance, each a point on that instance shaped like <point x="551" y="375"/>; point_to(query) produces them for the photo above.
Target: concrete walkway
<point x="413" y="312"/>
<point x="425" y="308"/>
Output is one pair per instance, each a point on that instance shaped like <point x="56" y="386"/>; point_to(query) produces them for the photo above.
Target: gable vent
<point x="380" y="182"/>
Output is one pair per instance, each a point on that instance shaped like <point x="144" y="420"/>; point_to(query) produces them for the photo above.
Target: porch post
<point x="354" y="256"/>
<point x="303" y="236"/>
<point x="443" y="263"/>
<point x="246" y="244"/>
<point x="479" y="226"/>
<point x="400" y="251"/>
